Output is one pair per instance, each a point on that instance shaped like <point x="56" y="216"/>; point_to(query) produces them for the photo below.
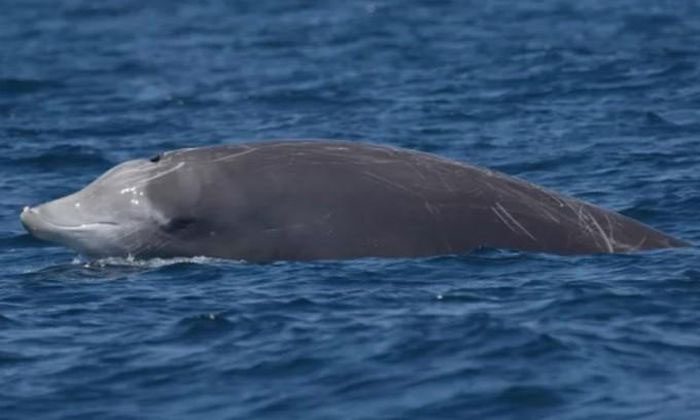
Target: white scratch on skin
<point x="639" y="245"/>
<point x="582" y="217"/>
<point x="287" y="228"/>
<point x="605" y="238"/>
<point x="235" y="155"/>
<point x="576" y="210"/>
<point x="417" y="166"/>
<point x="122" y="170"/>
<point x="417" y="170"/>
<point x="432" y="209"/>
<point x="508" y="219"/>
<point x="561" y="202"/>
<point x="389" y="183"/>
<point x="588" y="222"/>
<point x="538" y="205"/>
<point x="443" y="181"/>
<point x="505" y="222"/>
<point x="300" y="225"/>
<point x="546" y="212"/>
<point x="611" y="231"/>
<point x="141" y="182"/>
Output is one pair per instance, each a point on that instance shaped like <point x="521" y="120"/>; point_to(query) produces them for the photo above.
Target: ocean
<point x="595" y="99"/>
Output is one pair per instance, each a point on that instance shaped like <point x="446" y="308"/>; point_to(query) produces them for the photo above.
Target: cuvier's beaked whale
<point x="305" y="200"/>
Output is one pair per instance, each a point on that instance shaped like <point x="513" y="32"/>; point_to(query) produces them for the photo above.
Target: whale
<point x="321" y="199"/>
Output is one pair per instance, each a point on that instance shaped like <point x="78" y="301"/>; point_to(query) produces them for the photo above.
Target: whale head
<point x="121" y="213"/>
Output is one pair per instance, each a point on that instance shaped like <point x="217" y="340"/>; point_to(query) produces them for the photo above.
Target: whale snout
<point x="50" y="222"/>
<point x="36" y="223"/>
<point x="54" y="222"/>
<point x="29" y="218"/>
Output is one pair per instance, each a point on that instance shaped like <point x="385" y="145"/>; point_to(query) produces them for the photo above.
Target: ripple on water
<point x="596" y="99"/>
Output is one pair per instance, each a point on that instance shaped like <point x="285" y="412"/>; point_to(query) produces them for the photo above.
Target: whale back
<point x="316" y="200"/>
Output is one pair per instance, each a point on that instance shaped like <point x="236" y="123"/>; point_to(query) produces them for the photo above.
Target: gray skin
<point x="305" y="200"/>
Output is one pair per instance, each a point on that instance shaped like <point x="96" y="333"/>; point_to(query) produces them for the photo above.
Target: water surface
<point x="596" y="99"/>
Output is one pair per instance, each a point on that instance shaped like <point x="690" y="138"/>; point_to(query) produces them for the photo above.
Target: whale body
<point x="306" y="200"/>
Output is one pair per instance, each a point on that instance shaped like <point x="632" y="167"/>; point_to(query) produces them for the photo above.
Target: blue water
<point x="596" y="99"/>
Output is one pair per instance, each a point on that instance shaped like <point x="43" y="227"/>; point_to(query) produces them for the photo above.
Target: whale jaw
<point x="84" y="237"/>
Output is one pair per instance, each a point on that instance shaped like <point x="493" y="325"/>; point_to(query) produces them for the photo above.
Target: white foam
<point x="149" y="263"/>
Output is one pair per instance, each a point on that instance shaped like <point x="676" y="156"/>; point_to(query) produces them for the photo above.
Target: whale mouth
<point x="42" y="227"/>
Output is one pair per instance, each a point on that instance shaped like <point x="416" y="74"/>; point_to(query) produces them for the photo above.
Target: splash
<point x="132" y="261"/>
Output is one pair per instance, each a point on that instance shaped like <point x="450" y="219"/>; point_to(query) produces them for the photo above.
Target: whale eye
<point x="178" y="223"/>
<point x="156" y="158"/>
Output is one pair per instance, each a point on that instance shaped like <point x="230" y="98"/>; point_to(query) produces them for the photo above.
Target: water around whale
<point x="597" y="100"/>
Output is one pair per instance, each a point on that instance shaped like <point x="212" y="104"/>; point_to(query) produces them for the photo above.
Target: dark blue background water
<point x="596" y="99"/>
